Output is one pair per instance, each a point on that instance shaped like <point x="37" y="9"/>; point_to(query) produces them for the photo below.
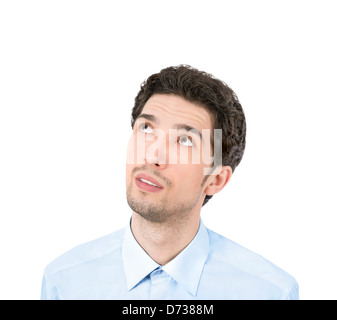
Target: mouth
<point x="147" y="183"/>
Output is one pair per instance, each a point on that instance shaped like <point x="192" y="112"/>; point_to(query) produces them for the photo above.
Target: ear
<point x="220" y="178"/>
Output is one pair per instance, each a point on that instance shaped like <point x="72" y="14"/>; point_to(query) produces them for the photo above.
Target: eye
<point x="145" y="127"/>
<point x="186" y="141"/>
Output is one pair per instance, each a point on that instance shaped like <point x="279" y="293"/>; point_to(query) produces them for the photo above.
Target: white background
<point x="69" y="72"/>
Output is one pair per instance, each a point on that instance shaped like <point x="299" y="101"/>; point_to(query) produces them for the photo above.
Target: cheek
<point x="130" y="151"/>
<point x="128" y="174"/>
<point x="189" y="177"/>
<point x="137" y="148"/>
<point x="130" y="159"/>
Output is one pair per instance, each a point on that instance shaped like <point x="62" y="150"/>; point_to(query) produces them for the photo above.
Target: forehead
<point x="173" y="109"/>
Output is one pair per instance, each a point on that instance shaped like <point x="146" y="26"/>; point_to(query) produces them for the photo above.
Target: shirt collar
<point x="186" y="268"/>
<point x="137" y="263"/>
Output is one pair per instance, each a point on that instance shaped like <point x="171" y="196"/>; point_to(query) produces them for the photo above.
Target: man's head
<point x="172" y="110"/>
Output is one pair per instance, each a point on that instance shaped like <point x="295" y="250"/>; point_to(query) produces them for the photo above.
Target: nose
<point x="156" y="151"/>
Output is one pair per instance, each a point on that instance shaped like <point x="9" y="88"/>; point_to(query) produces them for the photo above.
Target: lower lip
<point x="147" y="187"/>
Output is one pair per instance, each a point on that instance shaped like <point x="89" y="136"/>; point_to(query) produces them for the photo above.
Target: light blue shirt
<point x="210" y="267"/>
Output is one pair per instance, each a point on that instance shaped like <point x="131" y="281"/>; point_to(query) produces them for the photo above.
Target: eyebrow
<point x="178" y="126"/>
<point x="149" y="117"/>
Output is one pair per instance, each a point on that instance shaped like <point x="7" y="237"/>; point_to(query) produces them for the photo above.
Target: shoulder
<point x="249" y="265"/>
<point x="87" y="252"/>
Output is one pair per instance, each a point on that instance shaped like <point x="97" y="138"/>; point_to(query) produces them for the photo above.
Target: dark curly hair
<point x="213" y="94"/>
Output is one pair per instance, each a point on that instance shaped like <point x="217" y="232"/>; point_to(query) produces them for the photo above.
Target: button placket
<point x="160" y="281"/>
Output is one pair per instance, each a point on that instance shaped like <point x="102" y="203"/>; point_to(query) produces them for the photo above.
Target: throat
<point x="163" y="242"/>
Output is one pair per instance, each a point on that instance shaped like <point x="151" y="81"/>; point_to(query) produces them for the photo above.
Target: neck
<point x="164" y="241"/>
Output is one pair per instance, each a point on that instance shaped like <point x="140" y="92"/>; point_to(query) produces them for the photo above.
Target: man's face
<point x="164" y="151"/>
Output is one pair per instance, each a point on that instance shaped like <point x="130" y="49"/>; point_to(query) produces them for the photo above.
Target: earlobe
<point x="219" y="180"/>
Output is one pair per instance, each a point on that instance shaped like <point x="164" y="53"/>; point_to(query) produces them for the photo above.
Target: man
<point x="188" y="137"/>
